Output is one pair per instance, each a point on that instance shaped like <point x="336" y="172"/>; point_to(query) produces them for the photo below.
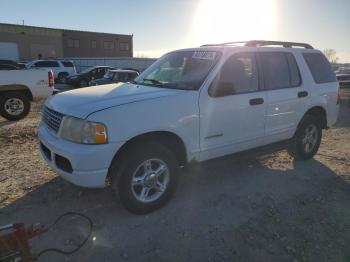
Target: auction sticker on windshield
<point x="209" y="55"/>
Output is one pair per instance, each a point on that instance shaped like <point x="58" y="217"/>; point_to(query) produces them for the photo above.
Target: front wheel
<point x="145" y="177"/>
<point x="14" y="105"/>
<point x="307" y="138"/>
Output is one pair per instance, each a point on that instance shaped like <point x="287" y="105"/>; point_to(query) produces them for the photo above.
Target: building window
<point x="93" y="44"/>
<point x="73" y="43"/>
<point x="76" y="43"/>
<point x="70" y="43"/>
<point x="124" y="46"/>
<point x="108" y="45"/>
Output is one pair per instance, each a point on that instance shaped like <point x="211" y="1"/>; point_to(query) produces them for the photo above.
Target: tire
<point x="14" y="105"/>
<point x="139" y="164"/>
<point x="62" y="77"/>
<point x="307" y="138"/>
<point x="83" y="83"/>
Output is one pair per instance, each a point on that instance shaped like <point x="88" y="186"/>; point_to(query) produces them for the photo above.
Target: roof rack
<point x="256" y="43"/>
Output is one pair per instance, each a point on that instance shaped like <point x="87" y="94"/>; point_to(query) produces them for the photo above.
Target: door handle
<point x="303" y="94"/>
<point x="256" y="101"/>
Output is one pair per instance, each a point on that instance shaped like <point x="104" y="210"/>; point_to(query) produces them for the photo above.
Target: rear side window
<point x="320" y="68"/>
<point x="280" y="70"/>
<point x="47" y="64"/>
<point x="67" y="64"/>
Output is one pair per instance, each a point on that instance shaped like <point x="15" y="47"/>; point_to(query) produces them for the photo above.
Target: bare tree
<point x="331" y="55"/>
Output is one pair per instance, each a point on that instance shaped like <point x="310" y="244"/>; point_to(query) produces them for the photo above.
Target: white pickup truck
<point x="19" y="87"/>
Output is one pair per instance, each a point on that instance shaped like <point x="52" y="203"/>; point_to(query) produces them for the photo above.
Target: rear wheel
<point x="307" y="138"/>
<point x="14" y="105"/>
<point x="145" y="177"/>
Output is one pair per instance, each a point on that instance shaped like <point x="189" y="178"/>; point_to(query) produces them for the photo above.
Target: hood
<point x="84" y="101"/>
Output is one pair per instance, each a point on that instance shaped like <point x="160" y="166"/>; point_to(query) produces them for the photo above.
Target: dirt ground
<point x="253" y="206"/>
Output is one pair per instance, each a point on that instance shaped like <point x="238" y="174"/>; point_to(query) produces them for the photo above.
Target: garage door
<point x="9" y="51"/>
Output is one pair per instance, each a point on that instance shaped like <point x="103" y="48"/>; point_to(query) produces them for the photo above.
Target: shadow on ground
<point x="237" y="208"/>
<point x="6" y="123"/>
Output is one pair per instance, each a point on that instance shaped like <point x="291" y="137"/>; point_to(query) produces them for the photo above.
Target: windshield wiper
<point x="153" y="81"/>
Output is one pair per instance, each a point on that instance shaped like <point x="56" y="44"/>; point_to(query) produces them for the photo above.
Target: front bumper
<point x="83" y="165"/>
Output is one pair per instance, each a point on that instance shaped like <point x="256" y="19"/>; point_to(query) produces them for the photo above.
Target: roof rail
<point x="257" y="43"/>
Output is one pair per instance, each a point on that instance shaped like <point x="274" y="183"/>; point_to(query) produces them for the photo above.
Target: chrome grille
<point x="52" y="119"/>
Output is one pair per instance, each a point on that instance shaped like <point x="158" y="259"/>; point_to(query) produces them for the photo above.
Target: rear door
<point x="286" y="94"/>
<point x="232" y="110"/>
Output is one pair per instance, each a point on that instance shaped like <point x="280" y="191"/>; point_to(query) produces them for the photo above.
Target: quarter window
<point x="320" y="68"/>
<point x="67" y="64"/>
<point x="238" y="75"/>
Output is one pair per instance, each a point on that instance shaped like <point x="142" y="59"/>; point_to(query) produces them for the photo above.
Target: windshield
<point x="182" y="70"/>
<point x="87" y="70"/>
<point x="109" y="74"/>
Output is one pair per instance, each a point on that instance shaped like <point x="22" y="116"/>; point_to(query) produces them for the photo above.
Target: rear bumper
<point x="82" y="165"/>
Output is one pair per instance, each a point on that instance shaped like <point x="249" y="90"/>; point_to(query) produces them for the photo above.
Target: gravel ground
<point x="253" y="206"/>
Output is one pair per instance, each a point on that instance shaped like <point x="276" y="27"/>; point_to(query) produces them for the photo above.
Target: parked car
<point x="344" y="80"/>
<point x="62" y="69"/>
<point x="12" y="63"/>
<point x="83" y="78"/>
<point x="115" y="76"/>
<point x="8" y="67"/>
<point x="190" y="106"/>
<point x="19" y="87"/>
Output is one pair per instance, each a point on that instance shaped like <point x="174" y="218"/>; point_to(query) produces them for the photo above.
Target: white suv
<point x="190" y="106"/>
<point x="61" y="69"/>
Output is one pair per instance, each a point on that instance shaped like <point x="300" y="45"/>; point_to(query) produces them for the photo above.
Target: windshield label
<point x="208" y="55"/>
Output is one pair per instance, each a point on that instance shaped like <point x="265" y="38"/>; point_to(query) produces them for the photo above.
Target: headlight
<point x="82" y="131"/>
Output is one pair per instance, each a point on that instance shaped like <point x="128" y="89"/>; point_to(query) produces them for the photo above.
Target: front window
<point x="109" y="75"/>
<point x="181" y="70"/>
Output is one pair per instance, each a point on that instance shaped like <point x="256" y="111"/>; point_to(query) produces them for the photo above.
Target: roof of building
<point x="61" y="29"/>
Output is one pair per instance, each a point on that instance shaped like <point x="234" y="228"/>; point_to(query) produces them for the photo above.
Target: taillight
<point x="51" y="79"/>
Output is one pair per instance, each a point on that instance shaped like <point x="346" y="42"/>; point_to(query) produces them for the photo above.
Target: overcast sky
<point x="163" y="25"/>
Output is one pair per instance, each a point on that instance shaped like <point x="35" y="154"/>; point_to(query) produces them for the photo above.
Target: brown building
<point x="20" y="42"/>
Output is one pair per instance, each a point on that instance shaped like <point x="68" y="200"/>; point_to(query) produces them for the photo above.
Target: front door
<point x="232" y="110"/>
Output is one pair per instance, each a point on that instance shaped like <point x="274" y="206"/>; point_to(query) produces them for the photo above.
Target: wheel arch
<point x="319" y="112"/>
<point x="17" y="88"/>
<point x="168" y="139"/>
